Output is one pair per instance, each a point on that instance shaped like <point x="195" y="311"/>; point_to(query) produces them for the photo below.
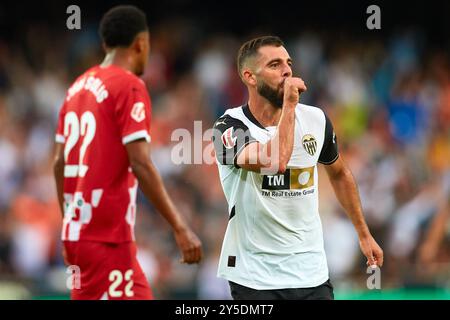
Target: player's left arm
<point x="133" y="114"/>
<point x="435" y="234"/>
<point x="346" y="191"/>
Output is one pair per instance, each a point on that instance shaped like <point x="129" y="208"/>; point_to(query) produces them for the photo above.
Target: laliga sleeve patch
<point x="227" y="138"/>
<point x="138" y="111"/>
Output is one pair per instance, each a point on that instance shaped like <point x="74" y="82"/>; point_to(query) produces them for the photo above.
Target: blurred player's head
<point x="125" y="27"/>
<point x="263" y="64"/>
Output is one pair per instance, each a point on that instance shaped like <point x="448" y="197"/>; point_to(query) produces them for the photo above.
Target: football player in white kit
<point x="267" y="153"/>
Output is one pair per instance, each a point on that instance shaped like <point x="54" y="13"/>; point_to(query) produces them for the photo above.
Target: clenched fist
<point x="293" y="87"/>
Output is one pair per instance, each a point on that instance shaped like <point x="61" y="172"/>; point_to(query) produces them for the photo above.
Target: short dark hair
<point x="250" y="48"/>
<point x="120" y="25"/>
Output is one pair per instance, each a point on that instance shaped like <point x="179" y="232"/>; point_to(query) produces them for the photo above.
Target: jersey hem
<point x="243" y="282"/>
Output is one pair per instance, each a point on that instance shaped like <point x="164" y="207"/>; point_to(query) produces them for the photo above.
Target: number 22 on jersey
<point x="75" y="128"/>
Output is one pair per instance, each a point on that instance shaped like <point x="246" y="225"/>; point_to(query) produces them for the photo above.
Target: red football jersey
<point x="104" y="109"/>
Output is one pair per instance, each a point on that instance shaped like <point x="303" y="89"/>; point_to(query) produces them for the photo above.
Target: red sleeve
<point x="133" y="112"/>
<point x="59" y="137"/>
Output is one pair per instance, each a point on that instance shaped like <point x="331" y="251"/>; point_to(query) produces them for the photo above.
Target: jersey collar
<point x="251" y="117"/>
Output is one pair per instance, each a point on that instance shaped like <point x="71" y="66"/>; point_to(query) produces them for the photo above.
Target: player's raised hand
<point x="372" y="251"/>
<point x="293" y="87"/>
<point x="189" y="245"/>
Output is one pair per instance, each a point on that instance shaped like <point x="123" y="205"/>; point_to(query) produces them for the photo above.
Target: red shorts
<point x="107" y="271"/>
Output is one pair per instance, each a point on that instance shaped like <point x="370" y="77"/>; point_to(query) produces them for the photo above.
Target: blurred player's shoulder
<point x="113" y="75"/>
<point x="105" y="81"/>
<point x="120" y="80"/>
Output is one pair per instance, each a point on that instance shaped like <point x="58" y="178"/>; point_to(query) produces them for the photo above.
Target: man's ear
<point x="249" y="77"/>
<point x="138" y="43"/>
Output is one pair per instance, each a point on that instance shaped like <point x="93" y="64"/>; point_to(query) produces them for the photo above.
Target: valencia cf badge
<point x="309" y="143"/>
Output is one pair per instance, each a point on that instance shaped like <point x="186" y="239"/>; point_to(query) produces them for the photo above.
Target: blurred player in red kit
<point x="102" y="152"/>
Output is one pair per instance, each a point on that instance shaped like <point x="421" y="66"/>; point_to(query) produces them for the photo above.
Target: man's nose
<point x="287" y="71"/>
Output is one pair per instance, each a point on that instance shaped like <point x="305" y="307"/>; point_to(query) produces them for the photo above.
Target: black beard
<point x="272" y="95"/>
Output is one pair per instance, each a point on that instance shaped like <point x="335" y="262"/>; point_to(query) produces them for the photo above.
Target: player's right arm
<point x="152" y="186"/>
<point x="58" y="172"/>
<point x="58" y="168"/>
<point x="58" y="160"/>
<point x="273" y="156"/>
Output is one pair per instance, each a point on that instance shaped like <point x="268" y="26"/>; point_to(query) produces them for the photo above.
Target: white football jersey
<point x="274" y="236"/>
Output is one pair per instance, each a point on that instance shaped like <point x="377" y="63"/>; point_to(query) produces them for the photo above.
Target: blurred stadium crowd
<point x="389" y="101"/>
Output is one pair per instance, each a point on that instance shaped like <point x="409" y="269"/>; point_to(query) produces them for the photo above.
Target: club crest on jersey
<point x="138" y="111"/>
<point x="227" y="138"/>
<point x="309" y="143"/>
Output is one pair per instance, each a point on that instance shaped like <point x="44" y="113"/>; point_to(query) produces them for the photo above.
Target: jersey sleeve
<point x="230" y="136"/>
<point x="59" y="136"/>
<point x="133" y="112"/>
<point x="329" y="153"/>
